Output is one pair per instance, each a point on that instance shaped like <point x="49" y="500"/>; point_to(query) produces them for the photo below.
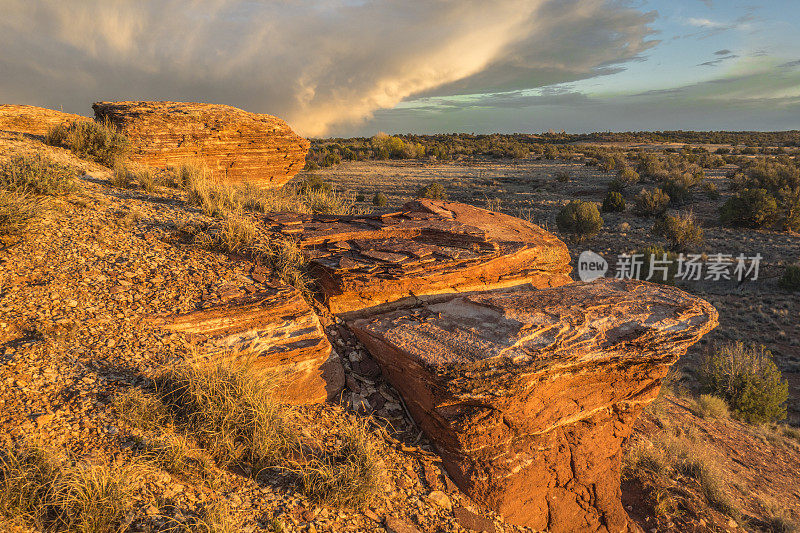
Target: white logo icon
<point x="591" y="266"/>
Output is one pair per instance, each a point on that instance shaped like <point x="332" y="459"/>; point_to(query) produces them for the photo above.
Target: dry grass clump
<point x="17" y="209"/>
<point x="93" y="498"/>
<point x="709" y="406"/>
<point x="41" y="491"/>
<point x="101" y="142"/>
<point x="232" y="416"/>
<point x="238" y="232"/>
<point x="36" y="175"/>
<point x="127" y="177"/>
<point x="231" y="413"/>
<point x="218" y="199"/>
<point x="347" y="476"/>
<point x="142" y="410"/>
<point x="777" y="518"/>
<point x="28" y="483"/>
<point x="676" y="454"/>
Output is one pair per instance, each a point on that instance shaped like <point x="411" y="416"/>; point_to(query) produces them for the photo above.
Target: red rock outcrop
<point x="234" y="145"/>
<point x="276" y="334"/>
<point x="31" y="119"/>
<point x="369" y="263"/>
<point x="529" y="394"/>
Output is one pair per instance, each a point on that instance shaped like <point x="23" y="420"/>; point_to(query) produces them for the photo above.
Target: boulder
<point x="370" y="263"/>
<point x="236" y="146"/>
<point x="529" y="394"/>
<point x="276" y="334"/>
<point x="32" y="120"/>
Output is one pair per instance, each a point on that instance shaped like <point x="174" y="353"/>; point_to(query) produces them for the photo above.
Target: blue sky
<point x="714" y="65"/>
<point x="356" y="67"/>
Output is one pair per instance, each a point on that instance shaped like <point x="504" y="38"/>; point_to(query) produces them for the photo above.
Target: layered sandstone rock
<point x="234" y="145"/>
<point x="31" y="119"/>
<point x="529" y="394"/>
<point x="371" y="262"/>
<point x="274" y="333"/>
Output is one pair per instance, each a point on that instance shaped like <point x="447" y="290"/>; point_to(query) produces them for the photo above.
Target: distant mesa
<point x="368" y="263"/>
<point x="274" y="334"/>
<point x="236" y="146"/>
<point x="529" y="394"/>
<point x="32" y="120"/>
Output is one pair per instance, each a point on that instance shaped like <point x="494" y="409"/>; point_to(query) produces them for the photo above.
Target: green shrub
<point x="651" y="203"/>
<point x="627" y="176"/>
<point x="752" y="208"/>
<point x="616" y="185"/>
<point x="360" y="197"/>
<point x="101" y="142"/>
<point x="679" y="189"/>
<point x="613" y="203"/>
<point x="433" y="191"/>
<point x="380" y="200"/>
<point x="562" y="176"/>
<point x="711" y="190"/>
<point x="789" y="208"/>
<point x="680" y="231"/>
<point x="658" y="255"/>
<point x="38" y="175"/>
<point x="790" y="280"/>
<point x="314" y="183"/>
<point x="748" y="379"/>
<point x="582" y="219"/>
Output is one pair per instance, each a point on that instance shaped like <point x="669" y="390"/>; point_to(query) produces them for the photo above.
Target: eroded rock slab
<point x="373" y="262"/>
<point x="234" y="145"/>
<point x="528" y="394"/>
<point x="31" y="119"/>
<point x="275" y="333"/>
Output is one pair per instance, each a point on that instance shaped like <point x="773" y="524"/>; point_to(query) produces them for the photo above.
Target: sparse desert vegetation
<point x="98" y="141"/>
<point x="215" y="434"/>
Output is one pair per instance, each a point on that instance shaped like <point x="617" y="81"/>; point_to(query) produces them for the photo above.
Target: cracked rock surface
<point x="368" y="263"/>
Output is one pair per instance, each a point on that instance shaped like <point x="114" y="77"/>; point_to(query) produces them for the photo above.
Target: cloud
<point x="707" y="27"/>
<point x="319" y="64"/>
<point x="717" y="62"/>
<point x="791" y="64"/>
<point x="724" y="52"/>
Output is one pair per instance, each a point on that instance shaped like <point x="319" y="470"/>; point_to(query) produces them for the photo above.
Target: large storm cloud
<point x="319" y="64"/>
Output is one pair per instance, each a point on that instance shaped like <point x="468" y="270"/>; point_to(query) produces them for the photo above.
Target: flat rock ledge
<point x="236" y="146"/>
<point x="274" y="333"/>
<point x="372" y="263"/>
<point x="33" y="120"/>
<point x="529" y="394"/>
